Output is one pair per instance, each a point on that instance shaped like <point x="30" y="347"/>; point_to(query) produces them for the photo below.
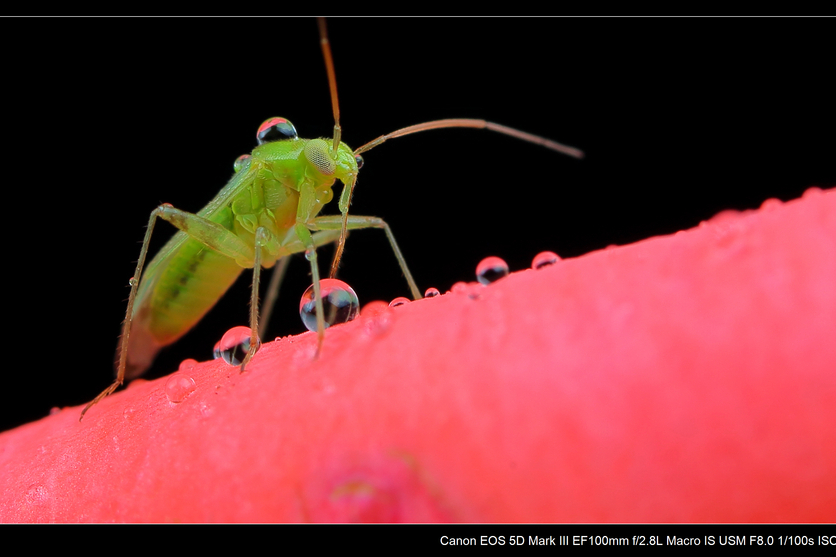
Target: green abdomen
<point x="182" y="290"/>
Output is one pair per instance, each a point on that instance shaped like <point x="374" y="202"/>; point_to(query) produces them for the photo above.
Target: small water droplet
<point x="373" y="308"/>
<point x="459" y="288"/>
<point x="771" y="204"/>
<point x="234" y="345"/>
<point x="308" y="254"/>
<point x="377" y="318"/>
<point x="128" y="413"/>
<point x="36" y="494"/>
<point x="431" y="292"/>
<point x="491" y="269"/>
<point x="544" y="259"/>
<point x="132" y="281"/>
<point x="241" y="162"/>
<point x="812" y="192"/>
<point x="474" y="290"/>
<point x="178" y="387"/>
<point x="339" y="302"/>
<point x="399" y="301"/>
<point x="54" y="410"/>
<point x="187" y="364"/>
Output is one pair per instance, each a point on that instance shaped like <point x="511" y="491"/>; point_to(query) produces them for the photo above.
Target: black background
<point x="103" y="119"/>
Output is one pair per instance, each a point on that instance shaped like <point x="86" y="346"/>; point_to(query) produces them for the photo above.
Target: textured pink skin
<point x="690" y="378"/>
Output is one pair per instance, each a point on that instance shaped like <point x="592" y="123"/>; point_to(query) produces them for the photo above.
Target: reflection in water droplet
<point x="234" y="345"/>
<point x="187" y="364"/>
<point x="491" y="269"/>
<point x="399" y="301"/>
<point x="339" y="302"/>
<point x="544" y="259"/>
<point x="431" y="292"/>
<point x="178" y="387"/>
<point x="241" y="163"/>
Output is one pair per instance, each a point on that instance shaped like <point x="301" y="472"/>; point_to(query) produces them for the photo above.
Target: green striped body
<point x="186" y="278"/>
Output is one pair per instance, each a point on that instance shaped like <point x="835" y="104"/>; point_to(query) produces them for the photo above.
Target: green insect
<point x="269" y="210"/>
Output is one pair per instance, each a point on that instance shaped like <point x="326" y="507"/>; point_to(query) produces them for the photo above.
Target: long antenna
<point x="479" y="124"/>
<point x="332" y="82"/>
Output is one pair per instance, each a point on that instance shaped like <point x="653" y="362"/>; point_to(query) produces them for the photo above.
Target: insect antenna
<point x="478" y="124"/>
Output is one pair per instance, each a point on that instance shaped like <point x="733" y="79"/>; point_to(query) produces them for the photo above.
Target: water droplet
<point x="308" y="254"/>
<point x="399" y="301"/>
<point x="178" y="387"/>
<point x="234" y="346"/>
<point x="241" y="162"/>
<point x="377" y="318"/>
<point x="431" y="292"/>
<point x="491" y="269"/>
<point x="128" y="413"/>
<point x="187" y="364"/>
<point x="459" y="288"/>
<point x="544" y="259"/>
<point x="132" y="281"/>
<point x="36" y="494"/>
<point x="54" y="410"/>
<point x="375" y="307"/>
<point x="474" y="290"/>
<point x="812" y="192"/>
<point x="339" y="302"/>
<point x="771" y="204"/>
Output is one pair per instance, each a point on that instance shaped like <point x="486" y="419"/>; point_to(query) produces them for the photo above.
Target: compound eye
<point x="275" y="129"/>
<point x="359" y="160"/>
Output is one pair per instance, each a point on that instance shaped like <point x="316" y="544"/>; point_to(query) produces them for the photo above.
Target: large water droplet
<point x="544" y="259"/>
<point x="178" y="387"/>
<point x="234" y="345"/>
<point x="399" y="301"/>
<point x="491" y="269"/>
<point x="431" y="292"/>
<point x="339" y="302"/>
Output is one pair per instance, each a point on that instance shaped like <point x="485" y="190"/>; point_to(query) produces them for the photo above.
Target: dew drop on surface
<point x="339" y="301"/>
<point x="399" y="301"/>
<point x="54" y="410"/>
<point x="241" y="162"/>
<point x="187" y="364"/>
<point x="491" y="269"/>
<point x="544" y="259"/>
<point x="178" y="387"/>
<point x="459" y="288"/>
<point x="234" y="346"/>
<point x="431" y="292"/>
<point x="474" y="290"/>
<point x="377" y="318"/>
<point x="771" y="204"/>
<point x="812" y="192"/>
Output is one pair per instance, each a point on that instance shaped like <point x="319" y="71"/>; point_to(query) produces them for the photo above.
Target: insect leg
<point x="279" y="271"/>
<point x="276" y="278"/>
<point x="213" y="235"/>
<point x="354" y="222"/>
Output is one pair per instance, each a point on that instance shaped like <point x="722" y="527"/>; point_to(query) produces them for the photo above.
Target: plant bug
<point x="269" y="210"/>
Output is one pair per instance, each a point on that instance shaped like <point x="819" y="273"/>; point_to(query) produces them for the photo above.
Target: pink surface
<point x="690" y="378"/>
